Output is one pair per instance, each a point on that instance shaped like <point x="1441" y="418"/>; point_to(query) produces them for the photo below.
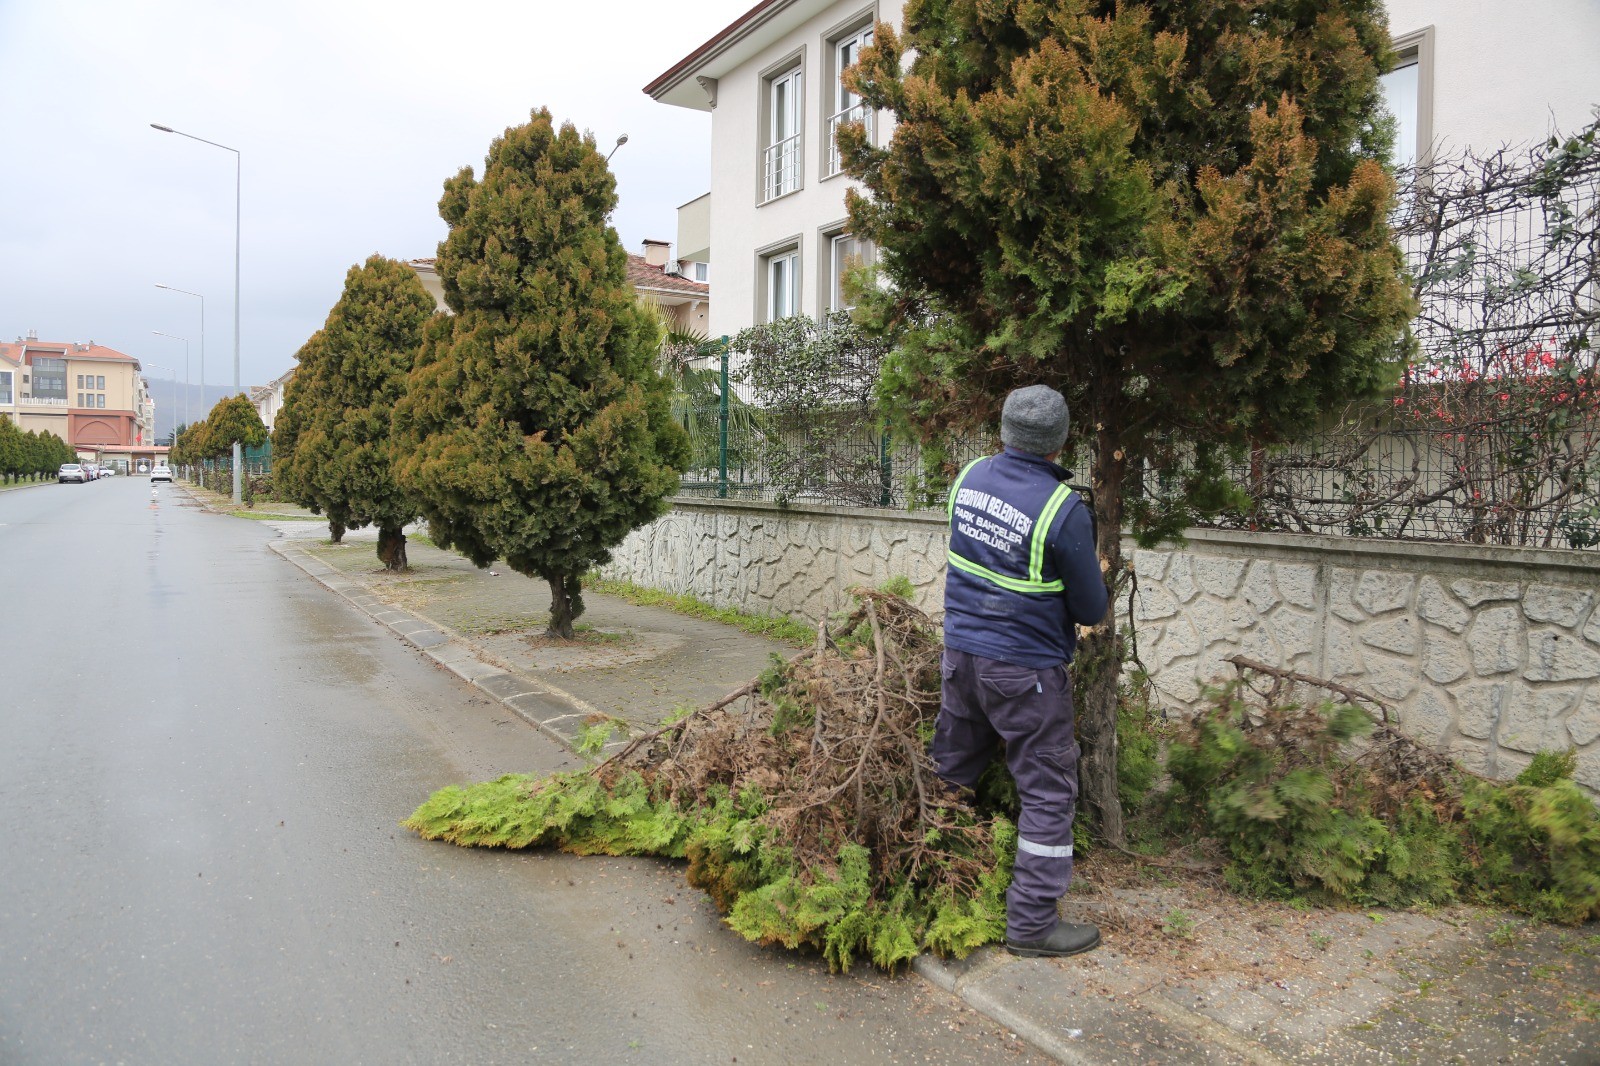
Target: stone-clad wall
<point x="1490" y="654"/>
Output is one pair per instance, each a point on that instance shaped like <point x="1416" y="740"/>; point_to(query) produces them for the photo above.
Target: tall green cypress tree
<point x="1174" y="211"/>
<point x="338" y="407"/>
<point x="535" y="427"/>
<point x="300" y="444"/>
<point x="233" y="420"/>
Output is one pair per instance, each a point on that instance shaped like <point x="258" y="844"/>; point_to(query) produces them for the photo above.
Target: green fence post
<point x="722" y="425"/>
<point x="885" y="470"/>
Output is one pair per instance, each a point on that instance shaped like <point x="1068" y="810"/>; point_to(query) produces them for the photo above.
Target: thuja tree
<point x="234" y="420"/>
<point x="535" y="427"/>
<point x="1173" y="212"/>
<point x="299" y="449"/>
<point x="340" y="460"/>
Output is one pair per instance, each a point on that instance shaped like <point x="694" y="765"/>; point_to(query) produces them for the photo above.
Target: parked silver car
<point x="71" y="472"/>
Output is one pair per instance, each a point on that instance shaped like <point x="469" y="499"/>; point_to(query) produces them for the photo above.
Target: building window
<point x="100" y="382"/>
<point x="1408" y="94"/>
<point x="781" y="284"/>
<point x="781" y="155"/>
<point x="845" y="253"/>
<point x="844" y="105"/>
<point x="100" y="401"/>
<point x="80" y="381"/>
<point x="80" y="400"/>
<point x="50" y="379"/>
<point x="5" y="386"/>
<point x="702" y="272"/>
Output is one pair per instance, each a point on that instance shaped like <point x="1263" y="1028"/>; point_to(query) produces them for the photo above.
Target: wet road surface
<point x="203" y="760"/>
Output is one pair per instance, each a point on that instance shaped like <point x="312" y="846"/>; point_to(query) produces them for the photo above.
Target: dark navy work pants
<point x="986" y="701"/>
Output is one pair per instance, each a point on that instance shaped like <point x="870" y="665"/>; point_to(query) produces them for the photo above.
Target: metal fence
<point x="1492" y="436"/>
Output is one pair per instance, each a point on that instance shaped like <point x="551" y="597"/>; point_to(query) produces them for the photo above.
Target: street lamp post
<point x="202" y="299"/>
<point x="238" y="169"/>
<point x="185" y="340"/>
<point x="173" y="441"/>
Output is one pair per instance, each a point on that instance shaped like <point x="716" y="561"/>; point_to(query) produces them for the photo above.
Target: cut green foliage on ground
<point x="774" y="626"/>
<point x="1318" y="800"/>
<point x="805" y="803"/>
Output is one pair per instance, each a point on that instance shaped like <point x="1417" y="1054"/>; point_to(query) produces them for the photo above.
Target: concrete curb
<point x="952" y="977"/>
<point x="557" y="714"/>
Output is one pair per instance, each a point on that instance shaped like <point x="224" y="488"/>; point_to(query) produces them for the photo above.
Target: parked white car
<point x="161" y="472"/>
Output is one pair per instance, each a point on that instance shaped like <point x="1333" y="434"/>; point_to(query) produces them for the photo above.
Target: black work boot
<point x="1067" y="938"/>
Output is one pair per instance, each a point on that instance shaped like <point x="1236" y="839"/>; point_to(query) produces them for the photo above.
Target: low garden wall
<point x="1490" y="654"/>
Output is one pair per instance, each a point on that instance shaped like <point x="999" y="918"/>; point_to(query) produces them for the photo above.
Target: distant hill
<point x="162" y="391"/>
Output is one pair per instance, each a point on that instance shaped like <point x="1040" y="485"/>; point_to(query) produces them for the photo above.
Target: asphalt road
<point x="203" y="758"/>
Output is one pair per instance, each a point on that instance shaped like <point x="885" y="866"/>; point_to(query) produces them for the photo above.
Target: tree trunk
<point x="335" y="530"/>
<point x="566" y="604"/>
<point x="392" y="547"/>
<point x="1097" y="668"/>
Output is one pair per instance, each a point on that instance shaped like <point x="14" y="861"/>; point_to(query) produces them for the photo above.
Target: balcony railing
<point x="781" y="172"/>
<point x="859" y="113"/>
<point x="41" y="401"/>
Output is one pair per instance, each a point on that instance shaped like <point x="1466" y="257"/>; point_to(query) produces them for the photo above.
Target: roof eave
<point x="679" y="84"/>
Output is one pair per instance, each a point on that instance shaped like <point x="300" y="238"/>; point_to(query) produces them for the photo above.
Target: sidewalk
<point x="1188" y="973"/>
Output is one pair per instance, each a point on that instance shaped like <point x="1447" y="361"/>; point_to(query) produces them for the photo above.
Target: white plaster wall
<point x="739" y="224"/>
<point x="1505" y="72"/>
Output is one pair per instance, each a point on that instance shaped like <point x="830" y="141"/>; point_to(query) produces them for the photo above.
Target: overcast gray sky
<point x="349" y="115"/>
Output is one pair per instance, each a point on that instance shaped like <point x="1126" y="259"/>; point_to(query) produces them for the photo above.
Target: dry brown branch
<point x="843" y="719"/>
<point x="1355" y="696"/>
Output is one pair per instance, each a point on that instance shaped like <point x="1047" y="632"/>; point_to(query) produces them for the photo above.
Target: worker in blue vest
<point x="1023" y="574"/>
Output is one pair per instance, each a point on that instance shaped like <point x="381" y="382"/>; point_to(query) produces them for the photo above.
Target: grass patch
<point x="268" y="516"/>
<point x="775" y="626"/>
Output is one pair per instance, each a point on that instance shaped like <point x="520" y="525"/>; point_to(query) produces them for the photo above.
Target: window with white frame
<point x="781" y="284"/>
<point x="5" y="386"/>
<point x="1408" y="94"/>
<point x="781" y="154"/>
<point x="844" y="105"/>
<point x="702" y="272"/>
<point x="846" y="252"/>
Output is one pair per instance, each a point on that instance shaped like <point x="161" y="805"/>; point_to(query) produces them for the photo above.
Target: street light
<point x="173" y="443"/>
<point x="238" y="168"/>
<point x="202" y="299"/>
<point x="185" y="340"/>
<point x="621" y="140"/>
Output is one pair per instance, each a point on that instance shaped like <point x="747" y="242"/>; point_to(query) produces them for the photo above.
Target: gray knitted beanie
<point x="1034" y="420"/>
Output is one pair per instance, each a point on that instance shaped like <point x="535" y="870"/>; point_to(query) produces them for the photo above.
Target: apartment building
<point x="1473" y="74"/>
<point x="775" y="216"/>
<point x="91" y="396"/>
<point x="268" y="398"/>
<point x="1478" y="74"/>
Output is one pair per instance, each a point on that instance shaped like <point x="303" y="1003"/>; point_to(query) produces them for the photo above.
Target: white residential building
<point x="1479" y="74"/>
<point x="777" y="223"/>
<point x="1474" y="74"/>
<point x="268" y="398"/>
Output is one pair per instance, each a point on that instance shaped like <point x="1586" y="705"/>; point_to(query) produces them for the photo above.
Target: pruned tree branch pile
<point x="804" y="801"/>
<point x="1329" y="801"/>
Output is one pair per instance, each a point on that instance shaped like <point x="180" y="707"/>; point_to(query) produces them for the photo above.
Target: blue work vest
<point x="1005" y="598"/>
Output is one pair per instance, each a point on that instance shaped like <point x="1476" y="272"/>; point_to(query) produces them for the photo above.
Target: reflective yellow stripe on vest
<point x="1034" y="583"/>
